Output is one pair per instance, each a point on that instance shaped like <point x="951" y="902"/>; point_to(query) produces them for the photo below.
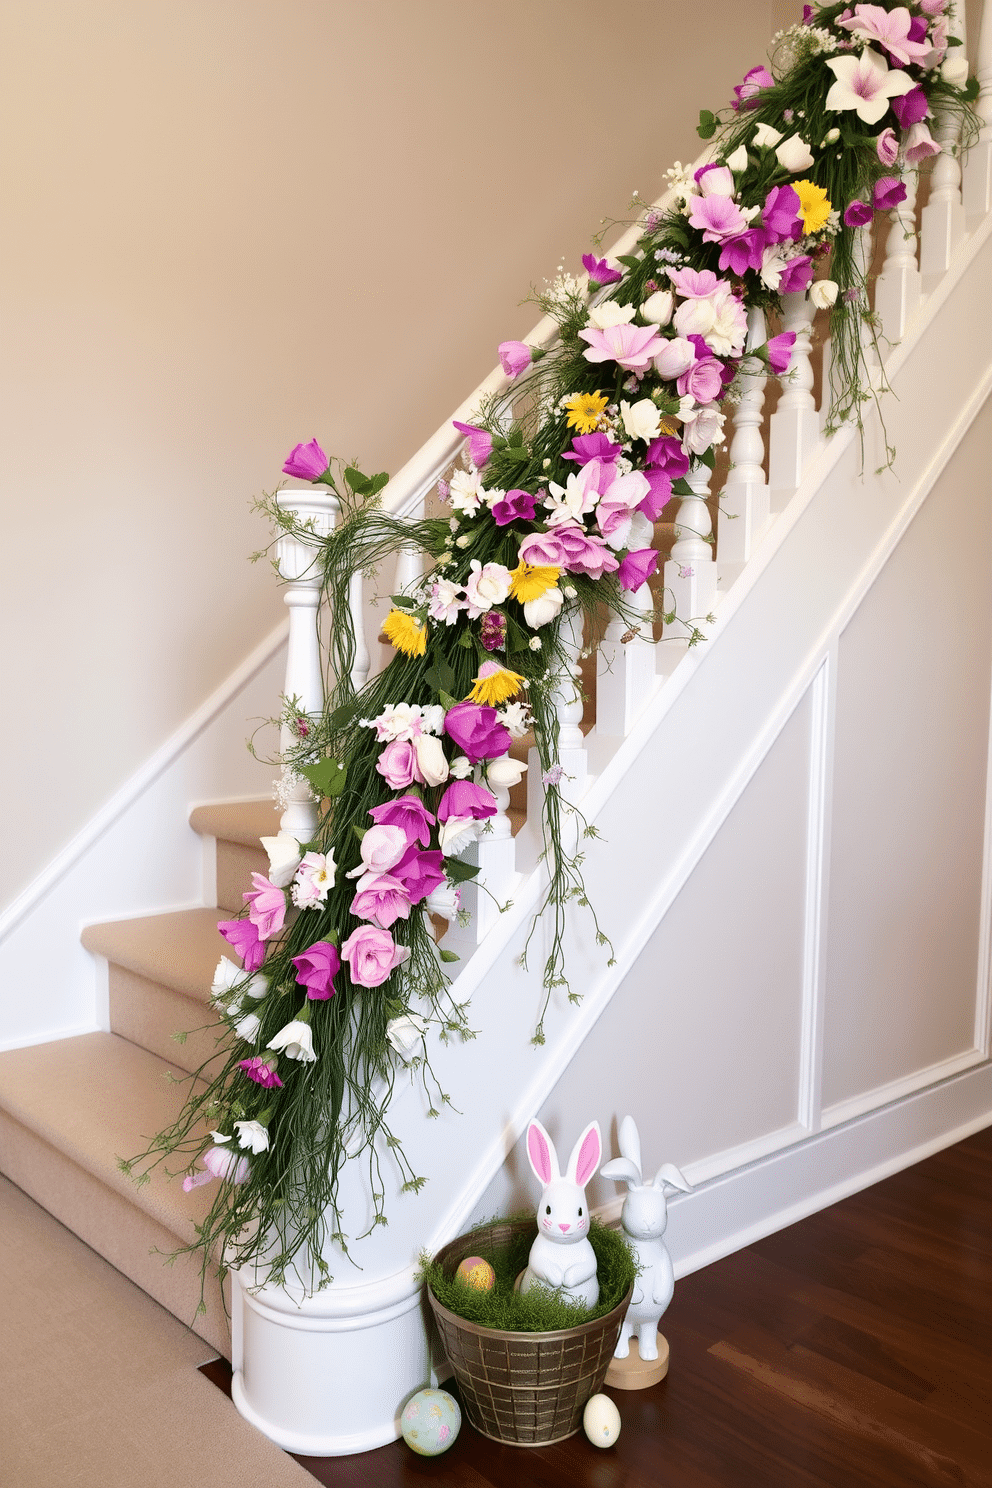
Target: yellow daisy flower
<point x="494" y="684"/>
<point x="406" y="634"/>
<point x="530" y="580"/>
<point x="584" y="411"/>
<point x="814" y="207"/>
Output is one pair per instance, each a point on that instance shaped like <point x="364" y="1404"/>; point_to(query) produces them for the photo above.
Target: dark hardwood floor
<point x="851" y="1350"/>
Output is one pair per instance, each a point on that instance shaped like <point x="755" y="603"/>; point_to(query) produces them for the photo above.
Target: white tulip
<point x="543" y="609"/>
<point x="765" y="135"/>
<point x="610" y="314"/>
<point x="641" y="420"/>
<point x="658" y="309"/>
<point x="430" y="758"/>
<point x="954" y="70"/>
<point x="823" y="293"/>
<point x="284" y="858"/>
<point x="738" y="161"/>
<point x="794" y="155"/>
<point x="225" y="977"/>
<point x="504" y="773"/>
<point x="295" y="1041"/>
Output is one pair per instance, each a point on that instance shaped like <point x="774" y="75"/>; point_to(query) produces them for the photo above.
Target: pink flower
<point x="267" y="906"/>
<point x="584" y="554"/>
<point x="675" y="355"/>
<point x="586" y="447"/>
<point x="599" y="270"/>
<point x="542" y="549"/>
<point x="744" y="251"/>
<point x="757" y="78"/>
<point x="382" y="847"/>
<point x="306" y="462"/>
<point x="262" y="1071"/>
<point x="219" y="1163"/>
<point x="797" y="275"/>
<point x="918" y="144"/>
<point x="637" y="568"/>
<point x="702" y="380"/>
<point x="245" y="939"/>
<point x="492" y="631"/>
<point x="514" y="357"/>
<point x="480" y="444"/>
<point x="477" y="731"/>
<point x="381" y="898"/>
<point x="630" y="346"/>
<point x="316" y="969"/>
<point x="420" y="873"/>
<point x="779" y="350"/>
<point x="889" y="192"/>
<point x="667" y="454"/>
<point x="890" y="28"/>
<point x="463" y="798"/>
<point x="714" y="180"/>
<point x="911" y="108"/>
<point x="372" y="954"/>
<point x="716" y="217"/>
<point x="397" y="764"/>
<point x="695" y="284"/>
<point x="780" y="215"/>
<point x="659" y="495"/>
<point x="887" y="147"/>
<point x="857" y="214"/>
<point x="515" y="506"/>
<point x="409" y="814"/>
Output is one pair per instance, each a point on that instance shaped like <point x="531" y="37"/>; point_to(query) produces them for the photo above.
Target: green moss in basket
<point x="540" y="1310"/>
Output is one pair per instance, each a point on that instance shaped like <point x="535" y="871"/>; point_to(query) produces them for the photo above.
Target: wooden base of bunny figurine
<point x="635" y="1373"/>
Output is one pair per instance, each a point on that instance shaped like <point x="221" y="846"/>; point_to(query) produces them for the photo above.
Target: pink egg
<point x="477" y="1273"/>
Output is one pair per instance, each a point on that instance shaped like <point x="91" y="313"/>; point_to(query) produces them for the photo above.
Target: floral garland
<point x="550" y="515"/>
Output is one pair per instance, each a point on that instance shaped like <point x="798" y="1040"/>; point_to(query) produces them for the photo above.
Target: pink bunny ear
<point x="540" y="1150"/>
<point x="586" y="1155"/>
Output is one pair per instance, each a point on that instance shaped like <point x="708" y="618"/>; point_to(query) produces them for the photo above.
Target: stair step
<point x="68" y="1110"/>
<point x="237" y="827"/>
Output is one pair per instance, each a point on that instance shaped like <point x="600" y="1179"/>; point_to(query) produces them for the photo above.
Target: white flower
<point x="571" y="502"/>
<point x="641" y="531"/>
<point x="954" y="70"/>
<point x="381" y="849"/>
<point x="406" y="1034"/>
<point x="765" y="135"/>
<point x="676" y="356"/>
<point x="738" y="161"/>
<point x="865" y="84"/>
<point x="396" y="721"/>
<point x="610" y="314"/>
<point x="641" y="419"/>
<point x="463" y="491"/>
<point x="705" y="430"/>
<point x="431" y="718"/>
<point x="252" y="1134"/>
<point x="794" y="155"/>
<point x="504" y="773"/>
<point x="430" y="758"/>
<point x="248" y="1028"/>
<point x="314" y="879"/>
<point x="823" y="293"/>
<point x="226" y="976"/>
<point x="456" y="834"/>
<point x="444" y="901"/>
<point x="773" y="262"/>
<point x="486" y="587"/>
<point x="515" y="717"/>
<point x="284" y="858"/>
<point x="295" y="1041"/>
<point x="658" y="309"/>
<point x="462" y="542"/>
<point x="534" y="644"/>
<point x="256" y="987"/>
<point x="831" y="137"/>
<point x="460" y="767"/>
<point x="219" y="1137"/>
<point x="446" y="601"/>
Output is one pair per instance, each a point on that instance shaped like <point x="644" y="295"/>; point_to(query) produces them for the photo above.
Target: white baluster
<point x="690" y="573"/>
<point x="482" y="897"/>
<point x="298" y="556"/>
<point x="977" y="190"/>
<point x="744" y="504"/>
<point x="567" y="699"/>
<point x="410" y="560"/>
<point x="899" y="288"/>
<point x="356" y="605"/>
<point x="794" y="433"/>
<point x="625" y="667"/>
<point x="942" y="221"/>
<point x="862" y="253"/>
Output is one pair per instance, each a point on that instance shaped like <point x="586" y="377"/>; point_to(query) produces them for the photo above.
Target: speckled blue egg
<point x="430" y="1422"/>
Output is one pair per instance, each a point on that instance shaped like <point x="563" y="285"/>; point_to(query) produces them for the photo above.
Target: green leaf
<point x="359" y="831"/>
<point x="681" y="487"/>
<point x="706" y="128"/>
<point x="327" y="776"/>
<point x="447" y="701"/>
<point x="954" y="41"/>
<point x="448" y="955"/>
<point x="457" y="871"/>
<point x="516" y="437"/>
<point x="342" y="716"/>
<point x="708" y="459"/>
<point x="357" y="481"/>
<point x="402" y="601"/>
<point x="378" y="481"/>
<point x="630" y="259"/>
<point x="971" y="89"/>
<point x="440" y="677"/>
<point x="465" y="639"/>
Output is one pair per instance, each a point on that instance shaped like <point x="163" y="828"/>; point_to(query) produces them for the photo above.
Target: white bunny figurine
<point x="644" y="1218"/>
<point x="562" y="1256"/>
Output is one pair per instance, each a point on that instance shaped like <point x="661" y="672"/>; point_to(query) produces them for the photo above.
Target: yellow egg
<point x="477" y="1273"/>
<point x="601" y="1421"/>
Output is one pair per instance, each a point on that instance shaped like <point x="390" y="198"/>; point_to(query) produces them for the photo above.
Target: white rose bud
<point x="766" y="136"/>
<point x="430" y="758"/>
<point x="542" y="611"/>
<point x="225" y="977"/>
<point x="738" y="161"/>
<point x="504" y="773"/>
<point x="823" y="293"/>
<point x="658" y="309"/>
<point x="295" y="1041"/>
<point x="609" y="314"/>
<point x="284" y="858"/>
<point x="406" y="1034"/>
<point x="248" y="1028"/>
<point x="794" y="155"/>
<point x="954" y="70"/>
<point x="831" y="137"/>
<point x="641" y="419"/>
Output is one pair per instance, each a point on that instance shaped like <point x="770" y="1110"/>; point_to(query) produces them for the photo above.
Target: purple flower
<point x="588" y="447"/>
<point x="911" y="108"/>
<point x="492" y="631"/>
<point x="658" y="497"/>
<point x="703" y="380"/>
<point x="420" y="873"/>
<point x="463" y="798"/>
<point x="245" y="939"/>
<point x="631" y="347"/>
<point x="381" y="897"/>
<point x="667" y="453"/>
<point x="808" y="14"/>
<point x="757" y="78"/>
<point x="919" y="144"/>
<point x="857" y="214"/>
<point x="514" y="357"/>
<point x="553" y="776"/>
<point x="306" y="462"/>
<point x="637" y="568"/>
<point x="397" y="764"/>
<point x="316" y="968"/>
<point x="267" y="906"/>
<point x="887" y="147"/>
<point x="477" y="731"/>
<point x="779" y="350"/>
<point x="409" y="814"/>
<point x="515" y="506"/>
<point x="599" y="270"/>
<point x="262" y="1071"/>
<point x="372" y="954"/>
<point x="780" y="215"/>
<point x="480" y="444"/>
<point x="584" y="554"/>
<point x="889" y="192"/>
<point x="716" y="217"/>
<point x="797" y="275"/>
<point x="744" y="251"/>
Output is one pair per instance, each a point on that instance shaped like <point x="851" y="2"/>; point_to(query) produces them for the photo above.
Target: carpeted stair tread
<point x="236" y="821"/>
<point x="96" y="1098"/>
<point x="180" y="949"/>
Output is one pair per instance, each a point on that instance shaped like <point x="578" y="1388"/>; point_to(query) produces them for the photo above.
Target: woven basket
<point x="525" y="1389"/>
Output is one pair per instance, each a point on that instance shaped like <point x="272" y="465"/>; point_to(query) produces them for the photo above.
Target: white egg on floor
<point x="601" y="1421"/>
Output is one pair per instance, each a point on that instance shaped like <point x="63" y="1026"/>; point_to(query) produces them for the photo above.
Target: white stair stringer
<point x="743" y="730"/>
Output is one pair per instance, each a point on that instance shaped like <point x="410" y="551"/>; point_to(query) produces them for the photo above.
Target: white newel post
<point x="744" y="503"/>
<point x="795" y="425"/>
<point x="625" y="667"/>
<point x="977" y="190"/>
<point x="298" y="556"/>
<point x="900" y="288"/>
<point x="942" y="221"/>
<point x="690" y="573"/>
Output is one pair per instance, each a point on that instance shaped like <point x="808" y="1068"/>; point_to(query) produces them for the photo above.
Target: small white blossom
<point x="460" y="767"/>
<point x="406" y="1034"/>
<point x="314" y="879"/>
<point x="252" y="1134"/>
<point x="516" y="718"/>
<point x="464" y="492"/>
<point x="295" y="1041"/>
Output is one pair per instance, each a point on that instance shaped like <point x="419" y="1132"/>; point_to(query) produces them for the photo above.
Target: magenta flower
<point x="316" y="969"/>
<point x="477" y="731"/>
<point x="409" y="814"/>
<point x="780" y="215"/>
<point x="492" y="631"/>
<point x="542" y="549"/>
<point x="744" y="251"/>
<point x="890" y="28"/>
<point x="630" y="346"/>
<point x="420" y="873"/>
<point x="667" y="454"/>
<point x="480" y="444"/>
<point x="702" y="381"/>
<point x="381" y="898"/>
<point x="398" y="766"/>
<point x="911" y="108"/>
<point x="637" y="568"/>
<point x="716" y="217"/>
<point x="918" y="144"/>
<point x="515" y="506"/>
<point x="244" y="937"/>
<point x="887" y="147"/>
<point x="514" y="357"/>
<point x="262" y="1071"/>
<point x="463" y="798"/>
<point x="307" y="462"/>
<point x="889" y="192"/>
<point x="797" y="275"/>
<point x="372" y="954"/>
<point x="586" y="447"/>
<point x="756" y="79"/>
<point x="585" y="554"/>
<point x="779" y="350"/>
<point x="695" y="284"/>
<point x="219" y="1163"/>
<point x="599" y="270"/>
<point x="658" y="497"/>
<point x="266" y="906"/>
<point x="857" y="214"/>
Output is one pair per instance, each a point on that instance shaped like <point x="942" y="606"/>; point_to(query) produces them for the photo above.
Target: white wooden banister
<point x="744" y="504"/>
<point x="690" y="573"/>
<point x="942" y="221"/>
<point x="900" y="288"/>
<point x="977" y="188"/>
<point x="794" y="430"/>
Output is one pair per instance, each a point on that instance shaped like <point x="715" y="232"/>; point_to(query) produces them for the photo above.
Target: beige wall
<point x="231" y="226"/>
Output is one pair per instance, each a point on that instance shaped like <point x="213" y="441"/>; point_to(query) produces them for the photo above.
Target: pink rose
<point x="542" y="549"/>
<point x="887" y="147"/>
<point x="584" y="554"/>
<point x="382" y="898"/>
<point x="514" y="357"/>
<point x="420" y="873"/>
<point x="306" y="462"/>
<point x="409" y="814"/>
<point x="371" y="955"/>
<point x="398" y="766"/>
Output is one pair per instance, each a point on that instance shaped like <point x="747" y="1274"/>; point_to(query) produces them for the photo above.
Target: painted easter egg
<point x="430" y="1422"/>
<point x="477" y="1273"/>
<point x="601" y="1421"/>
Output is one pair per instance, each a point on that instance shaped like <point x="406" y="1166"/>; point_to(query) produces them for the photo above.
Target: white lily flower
<point x="226" y="976"/>
<point x="603" y="317"/>
<point x="295" y="1041"/>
